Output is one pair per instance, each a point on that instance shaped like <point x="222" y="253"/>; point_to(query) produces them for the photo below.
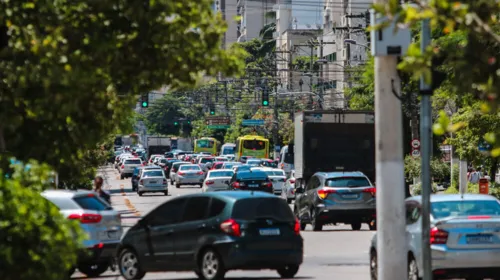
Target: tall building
<point x="254" y="17"/>
<point x="343" y="19"/>
<point x="228" y="9"/>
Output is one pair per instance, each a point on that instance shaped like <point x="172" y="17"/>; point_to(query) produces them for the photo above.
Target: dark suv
<point x="251" y="181"/>
<point x="336" y="197"/>
<point x="211" y="233"/>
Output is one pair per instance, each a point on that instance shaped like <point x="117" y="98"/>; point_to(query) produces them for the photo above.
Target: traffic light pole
<point x="276" y="113"/>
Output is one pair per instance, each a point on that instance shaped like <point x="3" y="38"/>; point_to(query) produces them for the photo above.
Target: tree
<point x="164" y="116"/>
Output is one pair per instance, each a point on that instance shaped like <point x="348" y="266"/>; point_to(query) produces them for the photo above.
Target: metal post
<point x="322" y="82"/>
<point x="276" y="113"/>
<point x="391" y="238"/>
<point x="426" y="142"/>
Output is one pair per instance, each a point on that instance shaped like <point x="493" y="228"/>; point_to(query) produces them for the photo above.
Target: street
<point x="335" y="253"/>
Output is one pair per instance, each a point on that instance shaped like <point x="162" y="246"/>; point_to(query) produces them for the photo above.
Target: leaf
<point x="495" y="152"/>
<point x="438" y="129"/>
<point x="490" y="137"/>
<point x="456" y="126"/>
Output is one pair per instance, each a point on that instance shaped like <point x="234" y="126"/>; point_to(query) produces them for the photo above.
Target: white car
<point x="174" y="169"/>
<point x="217" y="180"/>
<point x="128" y="166"/>
<point x="277" y="176"/>
<point x="152" y="180"/>
<point x="288" y="192"/>
<point x="189" y="174"/>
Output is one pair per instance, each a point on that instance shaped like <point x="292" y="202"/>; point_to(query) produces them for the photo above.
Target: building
<point x="343" y="19"/>
<point x="228" y="10"/>
<point x="253" y="17"/>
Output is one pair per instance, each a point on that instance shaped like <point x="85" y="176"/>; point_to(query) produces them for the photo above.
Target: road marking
<point x="122" y="190"/>
<point x="129" y="204"/>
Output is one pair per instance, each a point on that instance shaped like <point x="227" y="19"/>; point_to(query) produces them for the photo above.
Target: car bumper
<point x="190" y="181"/>
<point x="157" y="188"/>
<point x="99" y="253"/>
<point x="235" y="257"/>
<point x="465" y="263"/>
<point x="326" y="215"/>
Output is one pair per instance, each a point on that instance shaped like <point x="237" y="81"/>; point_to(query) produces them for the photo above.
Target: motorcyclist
<point x="98" y="182"/>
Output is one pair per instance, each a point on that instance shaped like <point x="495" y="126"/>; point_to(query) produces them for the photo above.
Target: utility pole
<point x="392" y="251"/>
<point x="322" y="82"/>
<point x="426" y="142"/>
<point x="276" y="113"/>
<point x="226" y="101"/>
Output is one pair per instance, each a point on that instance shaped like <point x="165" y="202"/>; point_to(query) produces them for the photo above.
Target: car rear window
<point x="155" y="173"/>
<point x="221" y="174"/>
<point x="205" y="160"/>
<point x="347" y="182"/>
<point x="189" y="167"/>
<point x="262" y="207"/>
<point x="251" y="175"/>
<point x="133" y="161"/>
<point x="446" y="209"/>
<point x="90" y="203"/>
<point x="275" y="173"/>
<point x="63" y="203"/>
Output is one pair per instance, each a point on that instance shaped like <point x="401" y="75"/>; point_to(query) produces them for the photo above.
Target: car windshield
<point x="253" y="162"/>
<point x="163" y="160"/>
<point x="133" y="161"/>
<point x="189" y="167"/>
<point x="444" y="209"/>
<point x="231" y="165"/>
<point x="262" y="208"/>
<point x="221" y="174"/>
<point x="275" y="173"/>
<point x="254" y="145"/>
<point x="205" y="143"/>
<point x="269" y="163"/>
<point x="154" y="173"/>
<point x="221" y="159"/>
<point x="228" y="150"/>
<point x="206" y="160"/>
<point x="347" y="182"/>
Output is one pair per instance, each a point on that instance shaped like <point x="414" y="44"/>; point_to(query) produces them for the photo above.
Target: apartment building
<point x="228" y="9"/>
<point x="253" y="14"/>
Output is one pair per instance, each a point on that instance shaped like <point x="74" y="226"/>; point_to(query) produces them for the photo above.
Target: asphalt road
<point x="335" y="253"/>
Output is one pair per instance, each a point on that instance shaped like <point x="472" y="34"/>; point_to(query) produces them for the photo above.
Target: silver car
<point x="98" y="220"/>
<point x="217" y="180"/>
<point x="464" y="237"/>
<point x="174" y="169"/>
<point x="152" y="180"/>
<point x="128" y="166"/>
<point x="277" y="176"/>
<point x="288" y="192"/>
<point x="189" y="174"/>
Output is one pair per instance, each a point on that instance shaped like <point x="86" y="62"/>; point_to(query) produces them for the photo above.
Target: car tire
<point x="288" y="271"/>
<point x="373" y="265"/>
<point x="129" y="266"/>
<point x="122" y="177"/>
<point x="289" y="200"/>
<point x="201" y="186"/>
<point x="356" y="226"/>
<point x="166" y="193"/>
<point x="171" y="182"/>
<point x="139" y="193"/>
<point x="317" y="226"/>
<point x="177" y="185"/>
<point x="412" y="268"/>
<point x="93" y="269"/>
<point x="210" y="266"/>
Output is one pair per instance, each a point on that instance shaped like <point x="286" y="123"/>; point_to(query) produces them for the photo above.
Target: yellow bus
<point x="206" y="144"/>
<point x="252" y="145"/>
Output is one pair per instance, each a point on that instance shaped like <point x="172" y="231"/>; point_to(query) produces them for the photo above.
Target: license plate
<point x="480" y="239"/>
<point x="112" y="234"/>
<point x="152" y="182"/>
<point x="350" y="196"/>
<point x="269" y="231"/>
<point x="253" y="185"/>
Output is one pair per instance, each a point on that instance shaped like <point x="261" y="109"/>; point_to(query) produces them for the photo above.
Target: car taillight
<point x="238" y="184"/>
<point x="200" y="173"/>
<point x="283" y="180"/>
<point x="86" y="218"/>
<point x="231" y="227"/>
<point x="296" y="227"/>
<point x="438" y="236"/>
<point x="165" y="181"/>
<point x="181" y="173"/>
<point x="141" y="182"/>
<point x="268" y="184"/>
<point x="123" y="166"/>
<point x="209" y="182"/>
<point x="370" y="190"/>
<point x="323" y="193"/>
<point x="478" y="217"/>
<point x="292" y="181"/>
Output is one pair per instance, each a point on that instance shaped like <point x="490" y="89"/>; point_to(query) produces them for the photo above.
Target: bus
<point x="228" y="149"/>
<point x="252" y="145"/>
<point x="206" y="144"/>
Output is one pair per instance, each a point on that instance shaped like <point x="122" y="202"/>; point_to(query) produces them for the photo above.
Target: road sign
<point x="219" y="120"/>
<point x="219" y="126"/>
<point x="415" y="143"/>
<point x="415" y="153"/>
<point x="252" y="122"/>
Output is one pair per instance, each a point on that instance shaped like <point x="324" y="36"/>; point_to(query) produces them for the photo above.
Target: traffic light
<point x="265" y="98"/>
<point x="176" y="123"/>
<point x="145" y="100"/>
<point x="188" y="122"/>
<point x="212" y="110"/>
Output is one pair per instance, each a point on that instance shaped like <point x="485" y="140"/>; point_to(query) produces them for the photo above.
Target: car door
<point x="306" y="199"/>
<point x="161" y="227"/>
<point x="190" y="229"/>
<point x="413" y="228"/>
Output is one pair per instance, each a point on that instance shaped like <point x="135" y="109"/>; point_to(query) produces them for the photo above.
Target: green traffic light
<point x="176" y="123"/>
<point x="144" y="104"/>
<point x="265" y="102"/>
<point x="212" y="113"/>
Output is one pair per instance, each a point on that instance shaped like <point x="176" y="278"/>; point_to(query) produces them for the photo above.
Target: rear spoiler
<point x="442" y="221"/>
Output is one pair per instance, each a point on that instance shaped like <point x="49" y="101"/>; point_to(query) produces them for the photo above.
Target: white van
<point x="286" y="161"/>
<point x="228" y="149"/>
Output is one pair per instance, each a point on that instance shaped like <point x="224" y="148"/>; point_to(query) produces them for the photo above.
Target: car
<point x="128" y="166"/>
<point x="254" y="162"/>
<point x="336" y="197"/>
<point x="205" y="162"/>
<point x="156" y="160"/>
<point x="189" y="174"/>
<point x="464" y="237"/>
<point x="162" y="162"/>
<point x="243" y="159"/>
<point x="101" y="223"/>
<point x="230" y="164"/>
<point x="152" y="158"/>
<point x="217" y="165"/>
<point x="288" y="192"/>
<point x="217" y="180"/>
<point x="277" y="176"/>
<point x="230" y="157"/>
<point x="221" y="159"/>
<point x="174" y="169"/>
<point x="269" y="163"/>
<point x="242" y="167"/>
<point x="212" y="233"/>
<point x="168" y="166"/>
<point x="251" y="180"/>
<point x="152" y="180"/>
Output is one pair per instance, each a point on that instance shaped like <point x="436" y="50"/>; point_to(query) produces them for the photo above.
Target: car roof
<point x="340" y="174"/>
<point x="247" y="172"/>
<point x="454" y="197"/>
<point x="181" y="162"/>
<point x="191" y="165"/>
<point x="217" y="170"/>
<point x="233" y="196"/>
<point x="66" y="193"/>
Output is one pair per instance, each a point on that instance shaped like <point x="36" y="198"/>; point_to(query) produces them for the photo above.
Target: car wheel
<point x="412" y="269"/>
<point x="289" y="200"/>
<point x="129" y="265"/>
<point x="177" y="185"/>
<point x="356" y="226"/>
<point x="171" y="182"/>
<point x="211" y="266"/>
<point x="166" y="193"/>
<point x="201" y="186"/>
<point x="372" y="225"/>
<point x="139" y="193"/>
<point x="122" y="177"/>
<point x="317" y="226"/>
<point x="288" y="271"/>
<point x="93" y="269"/>
<point x="373" y="265"/>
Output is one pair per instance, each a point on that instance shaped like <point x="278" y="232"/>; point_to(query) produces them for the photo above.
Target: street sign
<point x="218" y="120"/>
<point x="415" y="143"/>
<point x="252" y="122"/>
<point x="415" y="153"/>
<point x="219" y="126"/>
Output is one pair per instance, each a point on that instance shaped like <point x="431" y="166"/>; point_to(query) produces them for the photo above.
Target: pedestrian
<point x="486" y="176"/>
<point x="98" y="182"/>
<point x="474" y="176"/>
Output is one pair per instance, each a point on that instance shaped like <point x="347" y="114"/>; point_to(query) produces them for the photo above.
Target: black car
<point x="251" y="181"/>
<point x="212" y="233"/>
<point x="168" y="166"/>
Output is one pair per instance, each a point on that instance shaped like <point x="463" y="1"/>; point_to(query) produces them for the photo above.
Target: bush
<point x="439" y="170"/>
<point x="37" y="242"/>
<point x="417" y="189"/>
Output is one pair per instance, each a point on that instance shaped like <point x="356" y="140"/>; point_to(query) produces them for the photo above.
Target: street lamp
<point x="353" y="42"/>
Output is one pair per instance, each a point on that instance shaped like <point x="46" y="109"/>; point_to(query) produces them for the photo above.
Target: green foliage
<point x="361" y="95"/>
<point x="494" y="189"/>
<point x="163" y="113"/>
<point x="439" y="170"/>
<point x="303" y="63"/>
<point x="38" y="242"/>
<point x="417" y="189"/>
